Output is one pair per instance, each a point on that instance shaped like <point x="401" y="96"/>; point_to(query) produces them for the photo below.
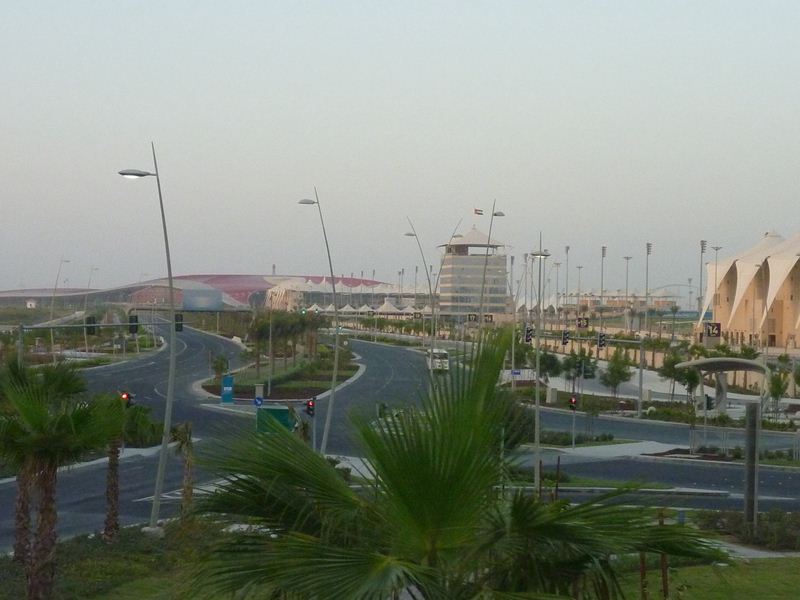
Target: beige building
<point x="755" y="296"/>
<point x="462" y="277"/>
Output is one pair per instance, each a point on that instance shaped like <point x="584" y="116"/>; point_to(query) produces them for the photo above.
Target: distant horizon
<point x="595" y="124"/>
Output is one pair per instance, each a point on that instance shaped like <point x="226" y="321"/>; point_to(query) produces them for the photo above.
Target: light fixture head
<point x="410" y="234"/>
<point x="135" y="173"/>
<point x="306" y="201"/>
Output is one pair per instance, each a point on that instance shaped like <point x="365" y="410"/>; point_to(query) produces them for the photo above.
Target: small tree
<point x="220" y="365"/>
<point x="618" y="371"/>
<point x="577" y="365"/>
<point x="778" y="384"/>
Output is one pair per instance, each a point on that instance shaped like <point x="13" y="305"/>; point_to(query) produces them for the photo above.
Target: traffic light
<point x="126" y="398"/>
<point x="133" y="324"/>
<point x="303" y="310"/>
<point x="709" y="402"/>
<point x="601" y="340"/>
<point x="565" y="337"/>
<point x="178" y="322"/>
<point x="573" y="403"/>
<point x="90" y="323"/>
<point x="528" y="334"/>
<point x="311" y="406"/>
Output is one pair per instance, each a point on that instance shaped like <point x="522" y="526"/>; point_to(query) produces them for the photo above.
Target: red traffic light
<point x="125" y="396"/>
<point x="573" y="403"/>
<point x="310" y="407"/>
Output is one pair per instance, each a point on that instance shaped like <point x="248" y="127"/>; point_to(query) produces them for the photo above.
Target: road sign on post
<point x="472" y="317"/>
<point x="280" y="413"/>
<point x="488" y="318"/>
<point x="582" y="322"/>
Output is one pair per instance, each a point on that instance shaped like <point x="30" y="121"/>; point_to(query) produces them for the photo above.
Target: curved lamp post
<point x="495" y="213"/>
<point x="61" y="263"/>
<point x="413" y="233"/>
<point x="85" y="306"/>
<point x="329" y="412"/>
<point x="153" y="527"/>
<point x="540" y="255"/>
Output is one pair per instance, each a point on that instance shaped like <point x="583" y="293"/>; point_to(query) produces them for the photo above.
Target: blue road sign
<point x="227" y="389"/>
<point x="258" y="401"/>
<point x="516" y="372"/>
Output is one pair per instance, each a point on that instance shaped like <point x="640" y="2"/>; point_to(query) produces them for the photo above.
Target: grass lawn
<point x="758" y="579"/>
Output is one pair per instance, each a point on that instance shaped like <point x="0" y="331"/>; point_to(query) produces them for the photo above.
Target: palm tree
<point x="41" y="434"/>
<point x="259" y="331"/>
<point x="58" y="382"/>
<point x="182" y="434"/>
<point x="137" y="427"/>
<point x="437" y="519"/>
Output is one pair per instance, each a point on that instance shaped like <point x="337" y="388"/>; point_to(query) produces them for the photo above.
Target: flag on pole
<point x="478" y="211"/>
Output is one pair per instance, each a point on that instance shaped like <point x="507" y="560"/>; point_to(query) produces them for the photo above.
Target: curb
<point x="249" y="410"/>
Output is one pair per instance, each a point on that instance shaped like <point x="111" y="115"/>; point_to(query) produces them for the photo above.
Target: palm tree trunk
<point x="22" y="515"/>
<point x="188" y="480"/>
<point x="111" y="528"/>
<point x="41" y="567"/>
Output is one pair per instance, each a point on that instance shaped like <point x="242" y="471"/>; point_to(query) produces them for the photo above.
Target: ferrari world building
<point x="755" y="295"/>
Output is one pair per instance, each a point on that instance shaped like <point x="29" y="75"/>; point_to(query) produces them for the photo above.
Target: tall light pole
<point x="328" y="413"/>
<point x="579" y="310"/>
<point x="602" y="267"/>
<point x="61" y="263"/>
<point x="413" y="233"/>
<point x="700" y="293"/>
<point x="85" y="306"/>
<point x="541" y="255"/>
<point x="557" y="265"/>
<point x="627" y="299"/>
<point x="154" y="528"/>
<point x="566" y="277"/>
<point x="715" y="297"/>
<point x="495" y="213"/>
<point x="649" y="248"/>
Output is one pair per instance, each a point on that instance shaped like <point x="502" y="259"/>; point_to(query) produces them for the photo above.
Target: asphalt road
<point x="81" y="490"/>
<point x="394" y="375"/>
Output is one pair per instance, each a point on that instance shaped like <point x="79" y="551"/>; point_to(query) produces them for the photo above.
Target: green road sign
<point x="280" y="413"/>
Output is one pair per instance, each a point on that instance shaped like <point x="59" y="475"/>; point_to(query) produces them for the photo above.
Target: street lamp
<point x="602" y="266"/>
<point x="566" y="282"/>
<point x="153" y="527"/>
<point x="85" y="305"/>
<point x="578" y="309"/>
<point x="413" y="233"/>
<point x="649" y="248"/>
<point x="627" y="300"/>
<point x="703" y="244"/>
<point x="715" y="297"/>
<point x="61" y="263"/>
<point x="329" y="412"/>
<point x="542" y="256"/>
<point x="495" y="213"/>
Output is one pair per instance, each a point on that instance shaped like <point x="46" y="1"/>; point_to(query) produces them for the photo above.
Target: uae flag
<point x="478" y="211"/>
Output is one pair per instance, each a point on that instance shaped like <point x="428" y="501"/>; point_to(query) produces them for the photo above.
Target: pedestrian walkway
<point x="620" y="450"/>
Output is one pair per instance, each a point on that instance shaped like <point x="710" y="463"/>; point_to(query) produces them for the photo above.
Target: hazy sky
<point x="594" y="122"/>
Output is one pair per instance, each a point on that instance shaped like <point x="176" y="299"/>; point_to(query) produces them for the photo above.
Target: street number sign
<point x="472" y="317"/>
<point x="712" y="329"/>
<point x="582" y="322"/>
